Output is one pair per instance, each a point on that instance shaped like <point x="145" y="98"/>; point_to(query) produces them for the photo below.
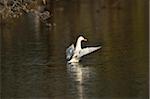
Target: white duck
<point x="73" y="54"/>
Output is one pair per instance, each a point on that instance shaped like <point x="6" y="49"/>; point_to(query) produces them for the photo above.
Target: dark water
<point x="33" y="64"/>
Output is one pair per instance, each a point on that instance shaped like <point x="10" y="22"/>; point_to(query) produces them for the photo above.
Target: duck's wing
<point x="70" y="52"/>
<point x="88" y="50"/>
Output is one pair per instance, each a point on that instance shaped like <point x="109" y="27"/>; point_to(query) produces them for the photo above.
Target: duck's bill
<point x="85" y="39"/>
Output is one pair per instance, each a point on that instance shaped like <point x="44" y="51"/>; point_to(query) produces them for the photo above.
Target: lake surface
<point x="33" y="64"/>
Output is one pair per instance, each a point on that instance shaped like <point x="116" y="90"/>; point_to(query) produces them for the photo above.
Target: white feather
<point x="74" y="54"/>
<point x="88" y="50"/>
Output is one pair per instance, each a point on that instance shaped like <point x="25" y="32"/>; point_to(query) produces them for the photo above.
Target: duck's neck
<point x="78" y="45"/>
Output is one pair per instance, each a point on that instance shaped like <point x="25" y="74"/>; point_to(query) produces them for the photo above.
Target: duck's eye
<point x="75" y="56"/>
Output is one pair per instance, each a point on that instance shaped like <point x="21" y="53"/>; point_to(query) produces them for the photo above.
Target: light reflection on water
<point x="79" y="74"/>
<point x="37" y="25"/>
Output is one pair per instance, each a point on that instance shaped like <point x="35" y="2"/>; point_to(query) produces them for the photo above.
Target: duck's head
<point x="81" y="38"/>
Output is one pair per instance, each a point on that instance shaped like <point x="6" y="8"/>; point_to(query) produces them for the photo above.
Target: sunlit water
<point x="34" y="65"/>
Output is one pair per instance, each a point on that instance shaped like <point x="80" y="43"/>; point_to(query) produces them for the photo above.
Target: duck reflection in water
<point x="80" y="75"/>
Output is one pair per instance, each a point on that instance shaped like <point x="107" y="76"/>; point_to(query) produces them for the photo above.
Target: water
<point x="33" y="64"/>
